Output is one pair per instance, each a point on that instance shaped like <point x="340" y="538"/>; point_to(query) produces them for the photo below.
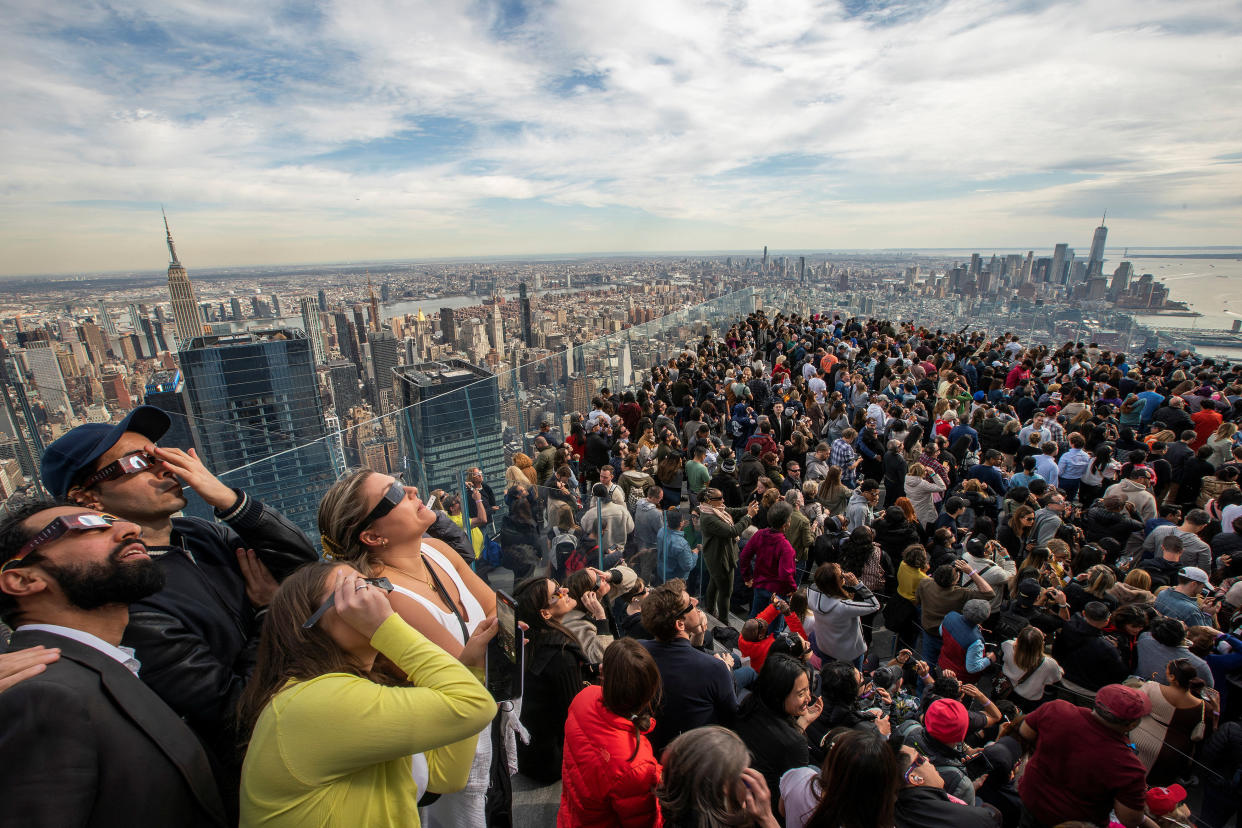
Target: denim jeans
<point x="760" y="600"/>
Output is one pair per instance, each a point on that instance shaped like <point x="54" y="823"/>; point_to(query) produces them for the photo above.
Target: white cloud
<point x="956" y="123"/>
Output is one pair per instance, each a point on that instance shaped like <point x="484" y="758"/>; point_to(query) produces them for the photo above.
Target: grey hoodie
<point x="858" y="512"/>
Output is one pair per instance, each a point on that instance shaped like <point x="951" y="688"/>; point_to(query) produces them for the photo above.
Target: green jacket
<point x="720" y="539"/>
<point x="798" y="533"/>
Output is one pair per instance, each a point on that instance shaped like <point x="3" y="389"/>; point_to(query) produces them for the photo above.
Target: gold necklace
<point x="425" y="580"/>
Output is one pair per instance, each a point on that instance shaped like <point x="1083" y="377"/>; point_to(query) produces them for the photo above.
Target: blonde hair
<point x="341" y="511"/>
<point x="916" y="470"/>
<point x="1139" y="578"/>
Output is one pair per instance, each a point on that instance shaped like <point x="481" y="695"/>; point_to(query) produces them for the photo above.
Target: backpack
<point x="564" y="545"/>
<point x="632" y="496"/>
<point x="1008" y="624"/>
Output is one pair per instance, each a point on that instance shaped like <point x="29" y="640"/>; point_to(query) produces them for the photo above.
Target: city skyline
<point x="336" y="133"/>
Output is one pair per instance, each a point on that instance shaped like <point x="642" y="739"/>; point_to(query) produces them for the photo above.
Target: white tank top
<point x="445" y="569"/>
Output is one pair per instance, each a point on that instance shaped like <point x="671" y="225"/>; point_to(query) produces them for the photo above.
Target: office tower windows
<point x="314" y="331"/>
<point x="450" y="422"/>
<point x="255" y="406"/>
<point x="384" y="350"/>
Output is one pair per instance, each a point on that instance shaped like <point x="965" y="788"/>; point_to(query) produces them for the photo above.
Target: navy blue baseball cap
<point x="79" y="448"/>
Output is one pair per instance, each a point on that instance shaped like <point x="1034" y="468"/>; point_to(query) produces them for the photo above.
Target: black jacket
<point x="1101" y="523"/>
<point x="1086" y="656"/>
<point x="196" y="637"/>
<point x="931" y="808"/>
<point x="86" y="743"/>
<point x="555" y="671"/>
<point x="775" y="743"/>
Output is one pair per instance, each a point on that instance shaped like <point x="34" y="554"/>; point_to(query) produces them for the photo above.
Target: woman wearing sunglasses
<point x="330" y="736"/>
<point x="556" y="671"/>
<point x="379" y="526"/>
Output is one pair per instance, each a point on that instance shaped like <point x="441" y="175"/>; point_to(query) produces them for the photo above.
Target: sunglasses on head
<point x="59" y="527"/>
<point x="382" y="583"/>
<point x="121" y="467"/>
<point x="391" y="499"/>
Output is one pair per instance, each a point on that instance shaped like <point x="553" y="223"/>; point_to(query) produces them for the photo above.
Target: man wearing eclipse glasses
<point x="195" y="637"/>
<point x="85" y="742"/>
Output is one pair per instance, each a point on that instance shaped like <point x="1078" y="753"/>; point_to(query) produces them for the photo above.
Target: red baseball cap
<point x="1161" y="801"/>
<point x="1124" y="702"/>
<point x="946" y="721"/>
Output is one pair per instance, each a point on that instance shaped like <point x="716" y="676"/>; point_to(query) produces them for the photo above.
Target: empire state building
<point x="186" y="312"/>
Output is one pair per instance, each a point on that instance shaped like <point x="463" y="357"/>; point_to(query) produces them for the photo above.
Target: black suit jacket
<point x="86" y="743"/>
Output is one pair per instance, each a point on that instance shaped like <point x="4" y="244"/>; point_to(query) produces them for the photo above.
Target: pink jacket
<point x="768" y="560"/>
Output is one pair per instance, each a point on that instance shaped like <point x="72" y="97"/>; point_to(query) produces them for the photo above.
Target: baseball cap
<point x="946" y="721"/>
<point x="79" y="448"/>
<point x="1161" y="801"/>
<point x="1029" y="588"/>
<point x="1193" y="573"/>
<point x="1125" y="703"/>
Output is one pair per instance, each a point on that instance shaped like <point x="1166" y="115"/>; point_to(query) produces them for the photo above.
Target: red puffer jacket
<point x="602" y="785"/>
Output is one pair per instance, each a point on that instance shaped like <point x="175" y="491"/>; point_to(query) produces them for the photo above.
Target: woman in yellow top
<point x="331" y="737"/>
<point x="902" y="613"/>
<point x="379" y="526"/>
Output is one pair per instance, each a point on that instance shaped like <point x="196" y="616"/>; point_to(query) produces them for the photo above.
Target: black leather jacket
<point x="196" y="637"/>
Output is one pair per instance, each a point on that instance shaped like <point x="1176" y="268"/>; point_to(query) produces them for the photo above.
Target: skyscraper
<point x="528" y="335"/>
<point x="48" y="378"/>
<point x="1095" y="262"/>
<point x="105" y="319"/>
<point x="1056" y="274"/>
<point x="384" y="348"/>
<point x="323" y="300"/>
<point x="496" y="328"/>
<point x="255" y="406"/>
<point x="186" y="312"/>
<point x="314" y="331"/>
<point x="448" y="326"/>
<point x="375" y="313"/>
<point x="450" y="421"/>
<point x="343" y="376"/>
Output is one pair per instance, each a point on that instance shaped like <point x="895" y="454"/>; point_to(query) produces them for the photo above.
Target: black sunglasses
<point x="382" y="583"/>
<point x="391" y="499"/>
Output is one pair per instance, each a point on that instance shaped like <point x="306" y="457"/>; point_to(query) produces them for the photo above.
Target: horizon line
<point x="516" y="257"/>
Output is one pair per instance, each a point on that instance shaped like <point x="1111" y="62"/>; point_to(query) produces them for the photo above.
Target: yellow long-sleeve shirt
<point x="335" y="750"/>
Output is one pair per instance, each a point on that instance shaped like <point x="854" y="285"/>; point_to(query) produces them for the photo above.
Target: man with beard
<point x="85" y="742"/>
<point x="196" y="637"/>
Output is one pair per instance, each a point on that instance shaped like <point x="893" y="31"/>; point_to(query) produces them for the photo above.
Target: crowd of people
<point x="817" y="571"/>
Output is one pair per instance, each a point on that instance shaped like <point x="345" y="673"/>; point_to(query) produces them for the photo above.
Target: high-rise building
<point x="1095" y="262"/>
<point x="255" y="406"/>
<point x="496" y="328"/>
<point x="314" y="331"/>
<point x="186" y="312"/>
<point x="235" y="309"/>
<point x="448" y="326"/>
<point x="375" y="313"/>
<point x="450" y="421"/>
<point x="1056" y="275"/>
<point x="105" y="319"/>
<point x="323" y="300"/>
<point x="528" y="335"/>
<point x="765" y="258"/>
<point x="384" y="349"/>
<point x="343" y="377"/>
<point x="49" y="381"/>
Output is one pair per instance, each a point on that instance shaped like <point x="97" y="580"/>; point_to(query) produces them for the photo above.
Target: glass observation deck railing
<point x="449" y="417"/>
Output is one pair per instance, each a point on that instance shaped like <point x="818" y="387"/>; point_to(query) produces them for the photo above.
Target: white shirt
<point x="125" y="655"/>
<point x="817" y="387"/>
<point x="797" y="788"/>
<point x="1227" y="516"/>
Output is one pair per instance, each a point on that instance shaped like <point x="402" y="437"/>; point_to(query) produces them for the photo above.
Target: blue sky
<point x="282" y="131"/>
